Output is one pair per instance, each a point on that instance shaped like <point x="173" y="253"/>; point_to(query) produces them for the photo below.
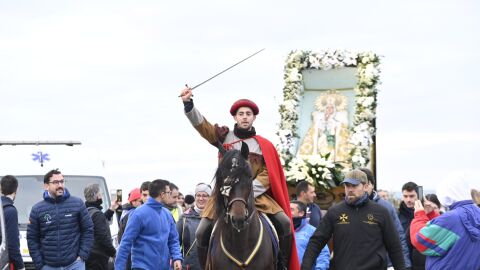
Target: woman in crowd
<point x="423" y="214"/>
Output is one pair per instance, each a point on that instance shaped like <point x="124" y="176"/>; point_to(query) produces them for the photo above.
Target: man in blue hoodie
<point x="151" y="235"/>
<point x="60" y="231"/>
<point x="303" y="232"/>
<point x="9" y="186"/>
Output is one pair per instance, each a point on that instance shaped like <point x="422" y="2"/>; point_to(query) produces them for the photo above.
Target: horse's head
<point x="234" y="189"/>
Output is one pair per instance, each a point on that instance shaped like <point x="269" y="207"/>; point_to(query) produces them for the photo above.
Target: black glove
<point x="188" y="105"/>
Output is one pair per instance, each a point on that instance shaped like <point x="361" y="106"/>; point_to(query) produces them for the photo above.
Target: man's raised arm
<point x="212" y="133"/>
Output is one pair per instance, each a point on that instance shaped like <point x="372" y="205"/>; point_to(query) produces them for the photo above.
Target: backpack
<point x="92" y="210"/>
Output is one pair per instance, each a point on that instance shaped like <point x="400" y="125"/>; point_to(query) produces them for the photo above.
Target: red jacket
<point x="419" y="221"/>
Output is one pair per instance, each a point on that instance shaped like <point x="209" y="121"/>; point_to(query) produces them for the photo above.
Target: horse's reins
<point x="250" y="257"/>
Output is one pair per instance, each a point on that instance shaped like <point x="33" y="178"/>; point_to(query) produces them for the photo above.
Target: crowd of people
<point x="160" y="228"/>
<point x="365" y="227"/>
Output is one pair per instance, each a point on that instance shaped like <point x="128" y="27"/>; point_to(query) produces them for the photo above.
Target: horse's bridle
<point x="228" y="216"/>
<point x="225" y="191"/>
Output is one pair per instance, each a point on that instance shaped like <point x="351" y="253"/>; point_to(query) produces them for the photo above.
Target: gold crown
<point x="331" y="97"/>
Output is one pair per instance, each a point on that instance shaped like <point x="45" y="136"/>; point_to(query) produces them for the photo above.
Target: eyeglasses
<point x="168" y="192"/>
<point x="57" y="182"/>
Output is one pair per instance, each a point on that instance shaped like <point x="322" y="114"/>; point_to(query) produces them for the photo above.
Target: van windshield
<point x="30" y="191"/>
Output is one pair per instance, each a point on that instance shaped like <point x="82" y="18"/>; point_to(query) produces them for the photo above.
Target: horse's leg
<point x="282" y="224"/>
<point x="202" y="235"/>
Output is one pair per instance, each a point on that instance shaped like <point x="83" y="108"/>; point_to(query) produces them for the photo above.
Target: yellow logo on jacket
<point x="343" y="219"/>
<point x="370" y="220"/>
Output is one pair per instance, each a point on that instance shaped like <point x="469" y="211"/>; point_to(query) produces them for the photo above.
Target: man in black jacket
<point x="407" y="209"/>
<point x="9" y="185"/>
<point x="102" y="246"/>
<point x="374" y="197"/>
<point x="362" y="231"/>
<point x="407" y="206"/>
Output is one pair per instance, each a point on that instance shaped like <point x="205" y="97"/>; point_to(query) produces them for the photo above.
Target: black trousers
<point x="96" y="262"/>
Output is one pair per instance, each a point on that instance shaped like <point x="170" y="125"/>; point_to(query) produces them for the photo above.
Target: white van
<point x="29" y="164"/>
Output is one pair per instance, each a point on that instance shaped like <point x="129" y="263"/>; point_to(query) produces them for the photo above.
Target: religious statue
<point x="328" y="132"/>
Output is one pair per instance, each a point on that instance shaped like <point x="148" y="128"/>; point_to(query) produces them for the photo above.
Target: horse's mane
<point x="233" y="166"/>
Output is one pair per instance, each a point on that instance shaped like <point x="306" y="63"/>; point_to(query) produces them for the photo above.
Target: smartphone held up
<point x="420" y="192"/>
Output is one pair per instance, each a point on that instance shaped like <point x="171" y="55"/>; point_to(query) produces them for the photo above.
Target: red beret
<point x="244" y="103"/>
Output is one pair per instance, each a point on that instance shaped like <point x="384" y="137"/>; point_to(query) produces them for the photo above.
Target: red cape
<point x="278" y="189"/>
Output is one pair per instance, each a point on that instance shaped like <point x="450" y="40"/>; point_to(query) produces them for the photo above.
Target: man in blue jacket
<point x="303" y="232"/>
<point x="60" y="231"/>
<point x="151" y="235"/>
<point x="9" y="186"/>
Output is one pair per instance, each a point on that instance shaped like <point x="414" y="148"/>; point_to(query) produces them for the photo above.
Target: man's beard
<point x="351" y="198"/>
<point x="170" y="206"/>
<point x="57" y="190"/>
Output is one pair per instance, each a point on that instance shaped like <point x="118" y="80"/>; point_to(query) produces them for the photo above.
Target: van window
<point x="31" y="188"/>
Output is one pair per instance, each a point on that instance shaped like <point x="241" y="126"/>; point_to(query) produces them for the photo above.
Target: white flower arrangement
<point x="368" y="73"/>
<point x="316" y="169"/>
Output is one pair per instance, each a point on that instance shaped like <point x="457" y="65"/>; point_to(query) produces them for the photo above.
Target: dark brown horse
<point x="240" y="240"/>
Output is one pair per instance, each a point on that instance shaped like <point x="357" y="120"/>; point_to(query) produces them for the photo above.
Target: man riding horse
<point x="269" y="185"/>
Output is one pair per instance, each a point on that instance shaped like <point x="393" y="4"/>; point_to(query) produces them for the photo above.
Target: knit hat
<point x="244" y="103"/>
<point x="135" y="194"/>
<point x="202" y="187"/>
<point x="355" y="177"/>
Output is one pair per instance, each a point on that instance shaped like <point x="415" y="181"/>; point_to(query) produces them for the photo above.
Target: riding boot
<point x="202" y="253"/>
<point x="202" y="236"/>
<point x="285" y="250"/>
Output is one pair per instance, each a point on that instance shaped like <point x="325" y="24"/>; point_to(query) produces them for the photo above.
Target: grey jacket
<point x="186" y="227"/>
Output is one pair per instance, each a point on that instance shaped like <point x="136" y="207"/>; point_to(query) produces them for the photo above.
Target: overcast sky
<point x="108" y="73"/>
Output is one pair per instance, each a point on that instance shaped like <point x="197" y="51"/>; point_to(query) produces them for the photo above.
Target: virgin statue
<point x="328" y="132"/>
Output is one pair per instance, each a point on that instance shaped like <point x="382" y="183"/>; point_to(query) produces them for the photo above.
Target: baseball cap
<point x="134" y="195"/>
<point x="355" y="177"/>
